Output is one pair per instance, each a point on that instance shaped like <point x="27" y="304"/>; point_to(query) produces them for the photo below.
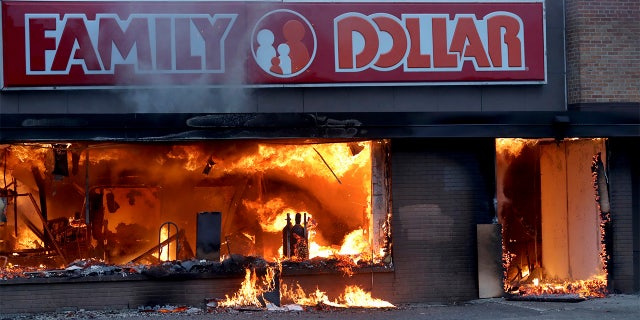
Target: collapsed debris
<point x="233" y="265"/>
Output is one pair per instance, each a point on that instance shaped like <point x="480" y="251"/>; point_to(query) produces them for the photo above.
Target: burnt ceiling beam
<point x="182" y="126"/>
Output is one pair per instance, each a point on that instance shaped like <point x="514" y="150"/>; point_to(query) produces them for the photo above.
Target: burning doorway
<point x="553" y="207"/>
<point x="118" y="201"/>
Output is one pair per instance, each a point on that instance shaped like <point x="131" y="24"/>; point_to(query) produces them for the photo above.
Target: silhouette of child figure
<point x="275" y="65"/>
<point x="285" y="60"/>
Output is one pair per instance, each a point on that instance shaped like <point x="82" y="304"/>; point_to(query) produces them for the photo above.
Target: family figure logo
<point x="284" y="43"/>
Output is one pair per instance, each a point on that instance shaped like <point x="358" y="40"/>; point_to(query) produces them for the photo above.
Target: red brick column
<point x="603" y="51"/>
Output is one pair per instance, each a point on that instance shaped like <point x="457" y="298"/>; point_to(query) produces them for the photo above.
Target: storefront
<point x="168" y="145"/>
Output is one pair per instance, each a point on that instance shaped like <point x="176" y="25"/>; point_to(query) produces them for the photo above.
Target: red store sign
<point x="216" y="43"/>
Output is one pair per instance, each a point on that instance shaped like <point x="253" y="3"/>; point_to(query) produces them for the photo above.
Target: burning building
<point x="246" y="153"/>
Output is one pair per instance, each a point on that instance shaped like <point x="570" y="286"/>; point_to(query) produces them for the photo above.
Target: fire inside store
<point x="144" y="204"/>
<point x="286" y="202"/>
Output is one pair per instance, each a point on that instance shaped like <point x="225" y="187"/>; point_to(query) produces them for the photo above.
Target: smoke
<point x="191" y="99"/>
<point x="200" y="91"/>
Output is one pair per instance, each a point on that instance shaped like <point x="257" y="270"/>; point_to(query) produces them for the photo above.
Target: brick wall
<point x="441" y="190"/>
<point x="115" y="292"/>
<point x="603" y="51"/>
<point x="109" y="293"/>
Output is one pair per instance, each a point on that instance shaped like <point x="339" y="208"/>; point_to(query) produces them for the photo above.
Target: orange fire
<point x="513" y="147"/>
<point x="125" y="191"/>
<point x="33" y="155"/>
<point x="595" y="287"/>
<point x="336" y="155"/>
<point x="164" y="254"/>
<point x="521" y="165"/>
<point x="252" y="290"/>
<point x="354" y="248"/>
<point x="28" y="240"/>
<point x="353" y="296"/>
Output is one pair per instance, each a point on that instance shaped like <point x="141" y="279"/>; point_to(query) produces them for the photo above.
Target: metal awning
<point x="373" y="125"/>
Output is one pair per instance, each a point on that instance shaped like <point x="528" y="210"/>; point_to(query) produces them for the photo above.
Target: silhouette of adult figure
<point x="294" y="31"/>
<point x="265" y="52"/>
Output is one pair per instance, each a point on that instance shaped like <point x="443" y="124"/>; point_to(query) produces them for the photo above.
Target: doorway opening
<point x="553" y="206"/>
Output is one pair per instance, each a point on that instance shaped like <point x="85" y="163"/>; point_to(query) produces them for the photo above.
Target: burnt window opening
<point x="139" y="203"/>
<point x="551" y="202"/>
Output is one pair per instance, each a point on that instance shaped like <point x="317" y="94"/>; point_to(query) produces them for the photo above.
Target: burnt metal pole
<point x="328" y="166"/>
<point x="15" y="207"/>
<point x="87" y="211"/>
<point x="42" y="195"/>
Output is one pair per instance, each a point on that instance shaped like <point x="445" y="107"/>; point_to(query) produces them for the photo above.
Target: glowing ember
<point x="595" y="287"/>
<point x="28" y="240"/>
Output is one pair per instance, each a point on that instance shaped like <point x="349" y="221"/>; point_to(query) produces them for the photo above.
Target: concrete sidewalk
<point x="609" y="308"/>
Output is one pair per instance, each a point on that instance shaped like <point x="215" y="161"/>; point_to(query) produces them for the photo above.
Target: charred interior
<point x="151" y="202"/>
<point x="553" y="207"/>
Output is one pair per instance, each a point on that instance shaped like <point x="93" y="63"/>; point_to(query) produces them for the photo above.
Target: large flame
<point x="252" y="289"/>
<point x="513" y="147"/>
<point x="353" y="296"/>
<point x="337" y="156"/>
<point x="28" y="240"/>
<point x="126" y="191"/>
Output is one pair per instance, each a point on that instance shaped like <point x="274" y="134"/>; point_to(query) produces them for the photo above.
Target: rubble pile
<point x="233" y="265"/>
<point x="332" y="264"/>
<point x="93" y="267"/>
